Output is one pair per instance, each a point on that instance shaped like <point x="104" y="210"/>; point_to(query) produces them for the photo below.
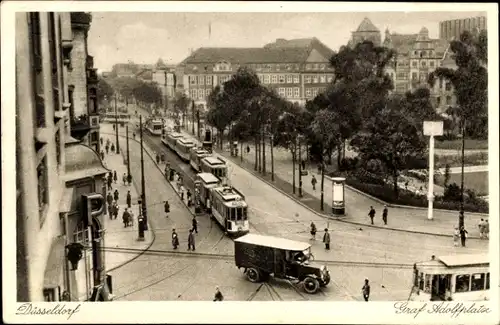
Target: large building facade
<point x="296" y="69"/>
<point x="53" y="168"/>
<point x="451" y="29"/>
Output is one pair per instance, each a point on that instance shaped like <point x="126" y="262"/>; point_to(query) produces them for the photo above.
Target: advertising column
<point x="338" y="202"/>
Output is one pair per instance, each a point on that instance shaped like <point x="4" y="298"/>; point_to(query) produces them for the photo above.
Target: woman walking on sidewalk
<point x="116" y="195"/>
<point x="129" y="200"/>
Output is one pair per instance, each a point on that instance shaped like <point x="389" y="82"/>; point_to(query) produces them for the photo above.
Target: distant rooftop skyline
<point x="143" y="37"/>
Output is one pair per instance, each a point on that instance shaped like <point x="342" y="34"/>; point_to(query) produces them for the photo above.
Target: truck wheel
<point x="253" y="275"/>
<point x="311" y="285"/>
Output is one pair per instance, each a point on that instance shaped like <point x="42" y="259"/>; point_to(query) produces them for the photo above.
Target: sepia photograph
<point x="235" y="154"/>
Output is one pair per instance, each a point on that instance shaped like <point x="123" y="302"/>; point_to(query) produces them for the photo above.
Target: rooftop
<point x="367" y="26"/>
<point x="208" y="178"/>
<point x="275" y="242"/>
<point x="214" y="161"/>
<point x="404" y="43"/>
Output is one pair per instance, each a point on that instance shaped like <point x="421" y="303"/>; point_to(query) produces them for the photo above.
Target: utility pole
<point x="128" y="154"/>
<point x="263" y="151"/>
<point x="272" y="157"/>
<point x="143" y="181"/>
<point x="198" y="122"/>
<point x="463" y="164"/>
<point x="322" y="183"/>
<point x="116" y="128"/>
<point x="300" y="167"/>
<point x="192" y="117"/>
<point x="294" y="157"/>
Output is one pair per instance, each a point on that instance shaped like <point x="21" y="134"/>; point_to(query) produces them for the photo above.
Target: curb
<point x="153" y="235"/>
<point x="336" y="218"/>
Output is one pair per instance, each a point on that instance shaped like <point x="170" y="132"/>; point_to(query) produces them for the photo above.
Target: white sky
<point x="143" y="37"/>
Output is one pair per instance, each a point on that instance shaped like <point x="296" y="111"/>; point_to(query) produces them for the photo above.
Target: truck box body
<point x="260" y="257"/>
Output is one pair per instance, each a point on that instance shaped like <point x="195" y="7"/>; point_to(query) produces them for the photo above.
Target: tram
<point x="229" y="208"/>
<point x="183" y="147"/>
<point x="111" y="117"/>
<point x="170" y="139"/>
<point x="195" y="157"/>
<point x="457" y="277"/>
<point x="205" y="182"/>
<point x="154" y="126"/>
<point x="215" y="166"/>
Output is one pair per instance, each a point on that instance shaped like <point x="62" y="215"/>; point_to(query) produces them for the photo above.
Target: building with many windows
<point x="296" y="69"/>
<point x="451" y="29"/>
<point x="53" y="168"/>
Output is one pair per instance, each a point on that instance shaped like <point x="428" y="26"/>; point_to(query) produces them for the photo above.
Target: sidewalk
<point x="407" y="219"/>
<point x="117" y="236"/>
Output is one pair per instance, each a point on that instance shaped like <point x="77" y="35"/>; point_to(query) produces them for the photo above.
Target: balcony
<point x="81" y="20"/>
<point x="80" y="126"/>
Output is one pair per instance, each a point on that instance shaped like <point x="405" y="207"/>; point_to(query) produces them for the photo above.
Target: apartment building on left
<point x="56" y="160"/>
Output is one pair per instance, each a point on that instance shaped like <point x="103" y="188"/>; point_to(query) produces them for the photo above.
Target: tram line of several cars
<point x="225" y="203"/>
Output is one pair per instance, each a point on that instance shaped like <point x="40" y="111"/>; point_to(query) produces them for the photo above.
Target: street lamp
<point x="269" y="133"/>
<point x="432" y="129"/>
<point x="116" y="128"/>
<point x="129" y="176"/>
<point x="143" y="182"/>
<point x="299" y="137"/>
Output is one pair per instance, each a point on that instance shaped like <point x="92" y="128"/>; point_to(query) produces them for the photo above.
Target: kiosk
<point x="338" y="201"/>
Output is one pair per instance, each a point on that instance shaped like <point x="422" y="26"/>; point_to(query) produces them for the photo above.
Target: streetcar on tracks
<point x="215" y="166"/>
<point x="155" y="126"/>
<point x="463" y="277"/>
<point x="228" y="207"/>
<point x="170" y="139"/>
<point x="205" y="182"/>
<point x="195" y="157"/>
<point x="262" y="256"/>
<point x="183" y="148"/>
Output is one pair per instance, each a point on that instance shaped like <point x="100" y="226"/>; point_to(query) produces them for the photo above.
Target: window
<point x="261" y="78"/>
<point x="289" y="79"/>
<point x="81" y="235"/>
<point x="193" y="93"/>
<point x="431" y="64"/>
<point x="415" y="52"/>
<point x="440" y="83"/>
<point x="424" y="64"/>
<point x="274" y="79"/>
<point x="427" y="283"/>
<point x="477" y="282"/>
<point x="289" y="92"/>
<point x="296" y="92"/>
<point x="448" y="100"/>
<point x="201" y="93"/>
<point x="307" y="79"/>
<point x="296" y="79"/>
<point x="201" y="80"/>
<point x="192" y="80"/>
<point x="281" y="78"/>
<point x="43" y="188"/>
<point x="487" y="286"/>
<point x="414" y="64"/>
<point x="322" y="79"/>
<point x="207" y="92"/>
<point x="329" y="78"/>
<point x="414" y="76"/>
<point x="38" y="80"/>
<point x="58" y="146"/>
<point x="448" y="86"/>
<point x="281" y="92"/>
<point x="315" y="66"/>
<point x="402" y="76"/>
<point x="315" y="79"/>
<point x="308" y="92"/>
<point x="266" y="79"/>
<point x="423" y="54"/>
<point x="322" y="66"/>
<point x="315" y="92"/>
<point x="94" y="137"/>
<point x="462" y="283"/>
<point x="308" y="66"/>
<point x="53" y="49"/>
<point x="208" y="80"/>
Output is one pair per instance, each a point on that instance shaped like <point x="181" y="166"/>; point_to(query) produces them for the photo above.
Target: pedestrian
<point x="195" y="224"/>
<point x="129" y="179"/>
<point x="167" y="208"/>
<point x="102" y="141"/>
<point x="102" y="154"/>
<point x="456" y="237"/>
<point x="116" y="195"/>
<point x="162" y="158"/>
<point x="313" y="182"/>
<point x="129" y="200"/>
<point x="487" y="229"/>
<point x="157" y="158"/>
<point x="366" y="290"/>
<point x="113" y="148"/>
<point x="110" y="183"/>
<point x="326" y="239"/>
<point x="131" y="219"/>
<point x="114" y="127"/>
<point x="109" y="198"/>
<point x="116" y="209"/>
<point x="182" y="192"/>
<point x="175" y="239"/>
<point x="115" y="177"/>
<point x="384" y="214"/>
<point x="107" y="148"/>
<point x="303" y="162"/>
<point x="463" y="235"/>
<point x="124" y="179"/>
<point x="125" y="218"/>
<point x="133" y="134"/>
<point x="110" y="210"/>
<point x="481" y="228"/>
<point x="461" y="218"/>
<point x="188" y="196"/>
<point x="191" y="240"/>
<point x="313" y="231"/>
<point x="108" y="142"/>
<point x="371" y="214"/>
<point x="218" y="295"/>
<point x="248" y="149"/>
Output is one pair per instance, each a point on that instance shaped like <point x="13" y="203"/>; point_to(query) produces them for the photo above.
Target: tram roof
<point x="229" y="193"/>
<point x="200" y="151"/>
<point x="156" y="120"/>
<point x="274" y="242"/>
<point x="174" y="135"/>
<point x="208" y="178"/>
<point x="186" y="141"/>
<point x="214" y="161"/>
<point x="465" y="260"/>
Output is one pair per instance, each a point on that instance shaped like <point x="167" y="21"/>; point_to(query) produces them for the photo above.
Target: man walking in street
<point x="366" y="290"/>
<point x="110" y="209"/>
<point x="115" y="178"/>
<point x="384" y="215"/>
<point x="371" y="214"/>
<point x="188" y="196"/>
<point x="129" y="200"/>
<point x="116" y="195"/>
<point x="481" y="228"/>
<point x="313" y="182"/>
<point x="326" y="239"/>
<point x="110" y="183"/>
<point x="463" y="235"/>
<point x="125" y="218"/>
<point x="116" y="208"/>
<point x="109" y="200"/>
<point x="487" y="229"/>
<point x="195" y="224"/>
<point x="191" y="240"/>
<point x="167" y="208"/>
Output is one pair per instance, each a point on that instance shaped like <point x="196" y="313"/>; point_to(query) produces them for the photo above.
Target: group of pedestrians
<point x="385" y="214"/>
<point x="191" y="237"/>
<point x="326" y="235"/>
<point x="113" y="199"/>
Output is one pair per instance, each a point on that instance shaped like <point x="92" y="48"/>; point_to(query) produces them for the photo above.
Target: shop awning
<point x="54" y="271"/>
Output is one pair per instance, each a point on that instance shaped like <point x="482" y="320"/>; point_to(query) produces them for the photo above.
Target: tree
<point x="181" y="104"/>
<point x="104" y="90"/>
<point x="470" y="82"/>
<point x="391" y="137"/>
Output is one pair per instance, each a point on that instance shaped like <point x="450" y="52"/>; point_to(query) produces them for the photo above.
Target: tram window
<point x="233" y="214"/>
<point x="462" y="283"/>
<point x="421" y="281"/>
<point x="477" y="282"/>
<point x="239" y="214"/>
<point x="487" y="281"/>
<point x="245" y="215"/>
<point x="427" y="283"/>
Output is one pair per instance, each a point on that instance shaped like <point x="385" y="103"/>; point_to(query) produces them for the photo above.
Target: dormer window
<point x="223" y="66"/>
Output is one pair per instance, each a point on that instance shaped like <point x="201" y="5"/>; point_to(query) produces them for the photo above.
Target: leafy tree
<point x="391" y="137"/>
<point x="148" y="93"/>
<point x="470" y="82"/>
<point x="181" y="105"/>
<point x="104" y="90"/>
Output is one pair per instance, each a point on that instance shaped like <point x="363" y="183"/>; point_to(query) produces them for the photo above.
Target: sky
<point x="144" y="37"/>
